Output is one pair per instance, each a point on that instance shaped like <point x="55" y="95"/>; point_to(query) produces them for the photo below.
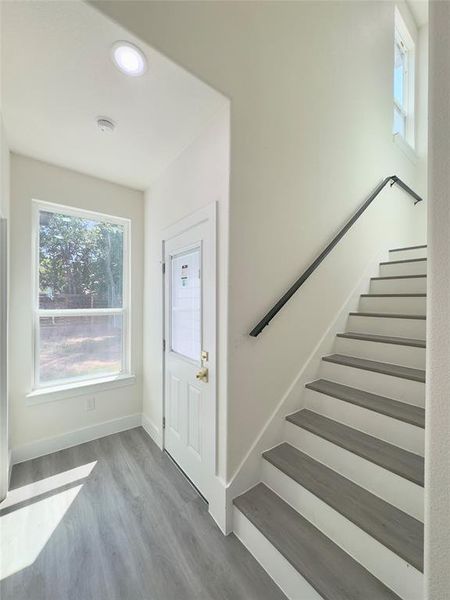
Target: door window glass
<point x="185" y="304"/>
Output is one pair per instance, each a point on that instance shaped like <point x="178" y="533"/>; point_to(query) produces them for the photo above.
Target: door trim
<point x="207" y="214"/>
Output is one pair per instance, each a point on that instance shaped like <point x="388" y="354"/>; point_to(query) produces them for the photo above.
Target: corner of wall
<point x="152" y="430"/>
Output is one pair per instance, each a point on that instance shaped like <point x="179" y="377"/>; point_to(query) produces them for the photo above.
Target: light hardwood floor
<point x="114" y="519"/>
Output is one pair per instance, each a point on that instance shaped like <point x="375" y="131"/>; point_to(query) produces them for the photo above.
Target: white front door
<point x="190" y="346"/>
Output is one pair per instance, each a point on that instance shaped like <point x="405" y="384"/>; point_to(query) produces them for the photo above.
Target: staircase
<point x="339" y="512"/>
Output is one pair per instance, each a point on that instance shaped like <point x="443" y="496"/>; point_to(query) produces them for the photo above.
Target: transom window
<point x="404" y="66"/>
<point x="81" y="298"/>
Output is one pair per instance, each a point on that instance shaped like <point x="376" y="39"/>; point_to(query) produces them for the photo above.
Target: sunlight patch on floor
<point x="24" y="531"/>
<point x="42" y="486"/>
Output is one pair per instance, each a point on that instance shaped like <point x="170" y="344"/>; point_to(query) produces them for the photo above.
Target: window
<point x="81" y="298"/>
<point x="404" y="65"/>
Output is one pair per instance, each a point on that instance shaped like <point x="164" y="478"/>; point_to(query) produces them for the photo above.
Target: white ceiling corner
<point x="58" y="78"/>
<point x="419" y="11"/>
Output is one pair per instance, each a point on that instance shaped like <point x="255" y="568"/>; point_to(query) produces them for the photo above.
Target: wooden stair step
<point x="397" y="277"/>
<point x="401" y="462"/>
<point x="333" y="573"/>
<point x="390" y="526"/>
<point x="405" y="260"/>
<point x="394" y="295"/>
<point x="377" y="367"/>
<point x="408" y="413"/>
<point x="408" y="248"/>
<point x="384" y="339"/>
<point x="388" y="315"/>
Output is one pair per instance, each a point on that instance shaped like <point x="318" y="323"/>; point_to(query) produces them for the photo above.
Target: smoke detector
<point x="105" y="125"/>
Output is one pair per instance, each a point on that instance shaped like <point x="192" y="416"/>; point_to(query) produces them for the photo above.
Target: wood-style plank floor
<point x="114" y="519"/>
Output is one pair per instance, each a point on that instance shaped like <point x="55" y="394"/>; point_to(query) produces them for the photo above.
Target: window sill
<point x="81" y="388"/>
<point x="407" y="150"/>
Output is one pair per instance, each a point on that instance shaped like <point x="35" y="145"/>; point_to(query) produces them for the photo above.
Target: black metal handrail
<point x="393" y="179"/>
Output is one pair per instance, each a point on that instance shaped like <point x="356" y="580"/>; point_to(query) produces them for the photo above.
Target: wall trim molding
<point x="74" y="438"/>
<point x="152" y="431"/>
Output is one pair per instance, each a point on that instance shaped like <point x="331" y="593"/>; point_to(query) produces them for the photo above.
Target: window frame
<point x="37" y="312"/>
<point x="404" y="38"/>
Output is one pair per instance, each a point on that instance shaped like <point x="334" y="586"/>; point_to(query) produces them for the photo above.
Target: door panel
<point x="175" y="404"/>
<point x="194" y="418"/>
<point x="189" y="307"/>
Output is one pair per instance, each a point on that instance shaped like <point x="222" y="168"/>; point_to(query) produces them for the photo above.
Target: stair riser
<point x="413" y="285"/>
<point x="406" y="436"/>
<point x="408" y="254"/>
<point x="408" y="356"/>
<point x="397" y="388"/>
<point x="396" y="490"/>
<point x="399" y="305"/>
<point x="409" y="328"/>
<point x="389" y="568"/>
<point x="273" y="562"/>
<point x="404" y="268"/>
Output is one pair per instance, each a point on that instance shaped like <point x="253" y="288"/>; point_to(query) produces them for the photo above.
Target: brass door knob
<point x="202" y="375"/>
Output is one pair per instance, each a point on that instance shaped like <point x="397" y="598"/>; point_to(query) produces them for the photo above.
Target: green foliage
<point x="80" y="262"/>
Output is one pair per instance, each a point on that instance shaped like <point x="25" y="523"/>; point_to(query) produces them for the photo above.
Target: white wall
<point x="33" y="179"/>
<point x="4" y="172"/>
<point x="310" y="85"/>
<point x="197" y="178"/>
<point x="437" y="432"/>
<point x="4" y="392"/>
<point x="422" y="111"/>
<point x="4" y="212"/>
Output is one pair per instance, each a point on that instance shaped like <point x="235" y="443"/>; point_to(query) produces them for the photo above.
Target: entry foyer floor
<point x="114" y="519"/>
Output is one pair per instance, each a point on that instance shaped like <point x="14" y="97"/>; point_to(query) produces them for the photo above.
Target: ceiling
<point x="419" y="10"/>
<point x="58" y="78"/>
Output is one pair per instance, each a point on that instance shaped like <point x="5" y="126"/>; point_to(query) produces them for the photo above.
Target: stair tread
<point x="397" y="277"/>
<point x="405" y="260"/>
<point x="423" y="295"/>
<point x="388" y="315"/>
<point x="385" y="339"/>
<point x="377" y="367"/>
<point x="390" y="526"/>
<point x="333" y="573"/>
<point x="401" y="462"/>
<point x="408" y="248"/>
<point x="408" y="413"/>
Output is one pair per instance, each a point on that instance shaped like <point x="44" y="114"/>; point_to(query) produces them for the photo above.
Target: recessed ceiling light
<point x="129" y="59"/>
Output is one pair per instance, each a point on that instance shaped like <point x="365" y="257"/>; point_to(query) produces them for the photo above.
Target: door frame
<point x="207" y="214"/>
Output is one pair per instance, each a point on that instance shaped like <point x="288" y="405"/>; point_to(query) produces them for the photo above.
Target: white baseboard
<point x="73" y="438"/>
<point x="248" y="473"/>
<point x="153" y="431"/>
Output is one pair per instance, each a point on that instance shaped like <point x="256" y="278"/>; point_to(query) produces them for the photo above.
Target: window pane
<point x="77" y="347"/>
<point x="80" y="262"/>
<point x="186" y="304"/>
<point x="399" y="122"/>
<point x="399" y="75"/>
